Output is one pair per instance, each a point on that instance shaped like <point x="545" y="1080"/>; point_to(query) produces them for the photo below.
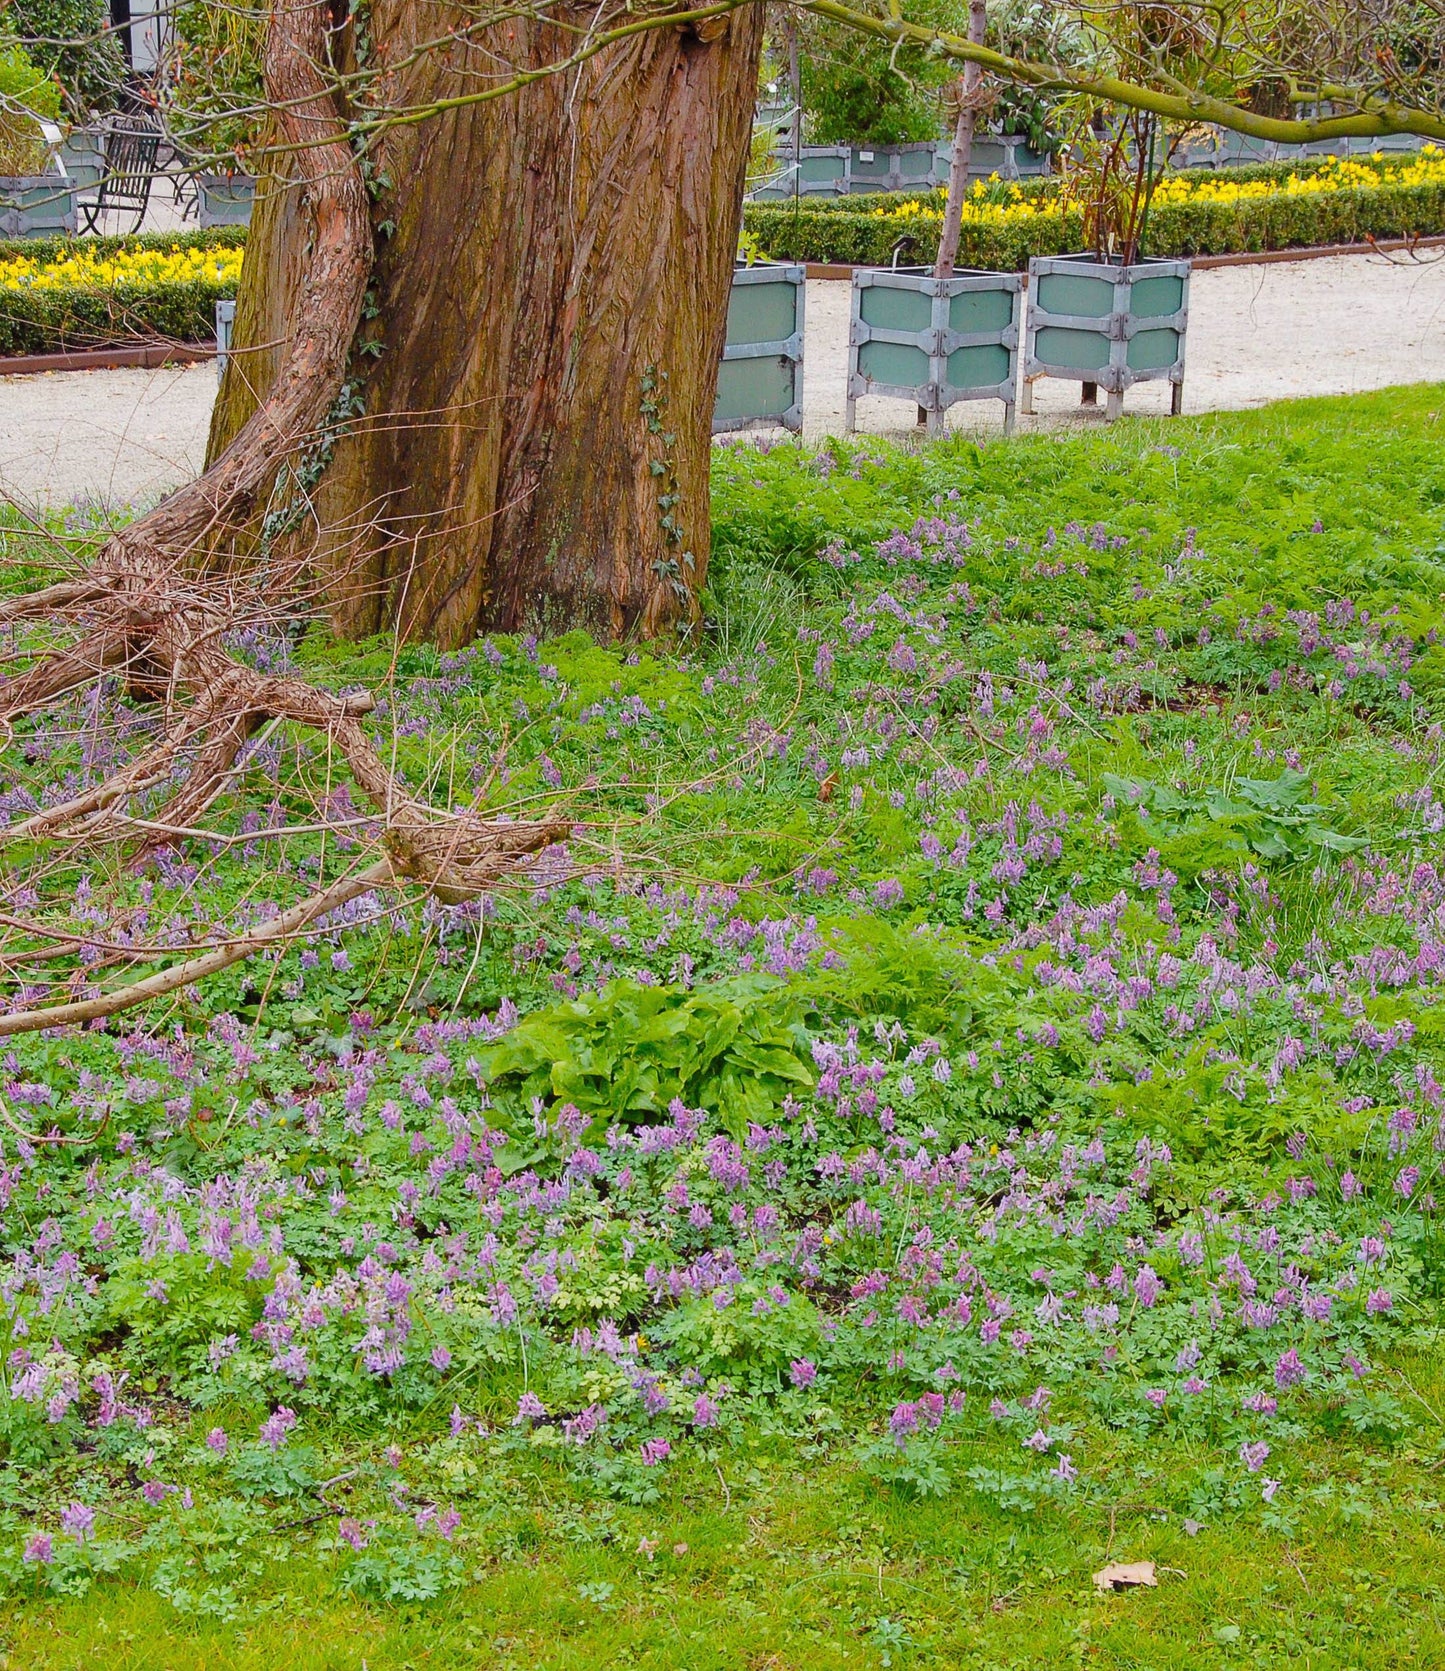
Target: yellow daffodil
<point x="134" y="269"/>
<point x="983" y="207"/>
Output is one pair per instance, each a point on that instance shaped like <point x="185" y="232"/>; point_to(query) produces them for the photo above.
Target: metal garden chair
<point x="129" y="145"/>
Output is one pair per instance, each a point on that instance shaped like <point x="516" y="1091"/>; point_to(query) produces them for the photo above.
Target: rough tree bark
<point x="962" y="149"/>
<point x="141" y="612"/>
<point x="552" y="302"/>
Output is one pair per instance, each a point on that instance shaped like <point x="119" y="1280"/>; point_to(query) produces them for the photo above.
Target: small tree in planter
<point x="1109" y="317"/>
<point x="938" y="335"/>
<point x="33" y="201"/>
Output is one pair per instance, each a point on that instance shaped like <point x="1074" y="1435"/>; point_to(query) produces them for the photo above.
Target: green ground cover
<point x="964" y="1106"/>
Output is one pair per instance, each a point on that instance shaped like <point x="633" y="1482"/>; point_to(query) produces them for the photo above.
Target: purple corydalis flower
<point x="219" y="1350"/>
<point x="39" y="1548"/>
<point x="802" y="1372"/>
<point x="1254" y="1456"/>
<point x="704" y="1412"/>
<point x="276" y="1426"/>
<point x="217" y="1441"/>
<point x="529" y="1408"/>
<point x="903" y="1421"/>
<point x="655" y="1451"/>
<point x="77" y="1520"/>
<point x="1289" y="1371"/>
<point x="1148" y="1286"/>
<point x="1380" y="1300"/>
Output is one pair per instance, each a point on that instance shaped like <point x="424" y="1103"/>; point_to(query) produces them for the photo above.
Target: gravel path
<point x="106" y="438"/>
<point x="1332" y="326"/>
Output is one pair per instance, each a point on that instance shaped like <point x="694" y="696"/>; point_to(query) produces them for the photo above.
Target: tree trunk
<point x="552" y="292"/>
<point x="962" y="150"/>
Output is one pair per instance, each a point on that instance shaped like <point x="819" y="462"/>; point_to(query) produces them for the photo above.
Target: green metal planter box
<point x="224" y="199"/>
<point x="1219" y="148"/>
<point x="82" y="158"/>
<point x="760" y="380"/>
<point x="1105" y="324"/>
<point x="893" y="167"/>
<point x="934" y="341"/>
<point x="838" y="170"/>
<point x="225" y="324"/>
<point x="1009" y="155"/>
<point x="823" y="172"/>
<point x="37" y="206"/>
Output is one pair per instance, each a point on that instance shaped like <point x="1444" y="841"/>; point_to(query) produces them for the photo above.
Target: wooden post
<point x="795" y="81"/>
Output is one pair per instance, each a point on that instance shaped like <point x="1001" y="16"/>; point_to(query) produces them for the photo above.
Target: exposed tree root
<point x="140" y="611"/>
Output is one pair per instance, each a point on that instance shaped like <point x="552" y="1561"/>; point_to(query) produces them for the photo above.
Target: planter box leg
<point x="1026" y="398"/>
<point x="1176" y="400"/>
<point x="1008" y="416"/>
<point x="1113" y="406"/>
<point x="934" y="420"/>
<point x="850" y="415"/>
<point x="1089" y="396"/>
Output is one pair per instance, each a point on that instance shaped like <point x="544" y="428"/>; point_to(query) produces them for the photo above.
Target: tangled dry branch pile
<point x="144" y="614"/>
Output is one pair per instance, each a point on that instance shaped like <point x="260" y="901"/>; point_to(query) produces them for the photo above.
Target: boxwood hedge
<point x="56" y="321"/>
<point x="848" y="231"/>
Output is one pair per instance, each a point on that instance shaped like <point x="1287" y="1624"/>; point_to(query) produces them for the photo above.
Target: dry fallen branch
<point x="142" y="613"/>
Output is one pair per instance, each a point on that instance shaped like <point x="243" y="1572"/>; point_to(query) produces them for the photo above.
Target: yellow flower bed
<point x="983" y="207"/>
<point x="143" y="269"/>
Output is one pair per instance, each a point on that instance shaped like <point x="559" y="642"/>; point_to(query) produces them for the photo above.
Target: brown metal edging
<point x="148" y="356"/>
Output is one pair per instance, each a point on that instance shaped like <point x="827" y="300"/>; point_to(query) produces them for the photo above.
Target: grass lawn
<point x="964" y="1107"/>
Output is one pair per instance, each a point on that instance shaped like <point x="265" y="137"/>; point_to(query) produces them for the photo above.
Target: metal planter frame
<point x="82" y="157"/>
<point x="1009" y="155"/>
<point x="225" y="324"/>
<point x="930" y="328"/>
<point x="224" y="199"/>
<point x="841" y="170"/>
<point x="1132" y="331"/>
<point x="760" y="380"/>
<point x="37" y="206"/>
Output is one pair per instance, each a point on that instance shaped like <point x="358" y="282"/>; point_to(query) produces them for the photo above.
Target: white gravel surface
<point x="1331" y="326"/>
<point x="106" y="438"/>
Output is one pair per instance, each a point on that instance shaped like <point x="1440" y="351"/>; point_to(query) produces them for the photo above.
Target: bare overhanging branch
<point x="1372" y="118"/>
<point x="1376" y="119"/>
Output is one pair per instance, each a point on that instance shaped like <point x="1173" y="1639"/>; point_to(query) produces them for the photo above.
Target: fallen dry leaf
<point x="1127" y="1576"/>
